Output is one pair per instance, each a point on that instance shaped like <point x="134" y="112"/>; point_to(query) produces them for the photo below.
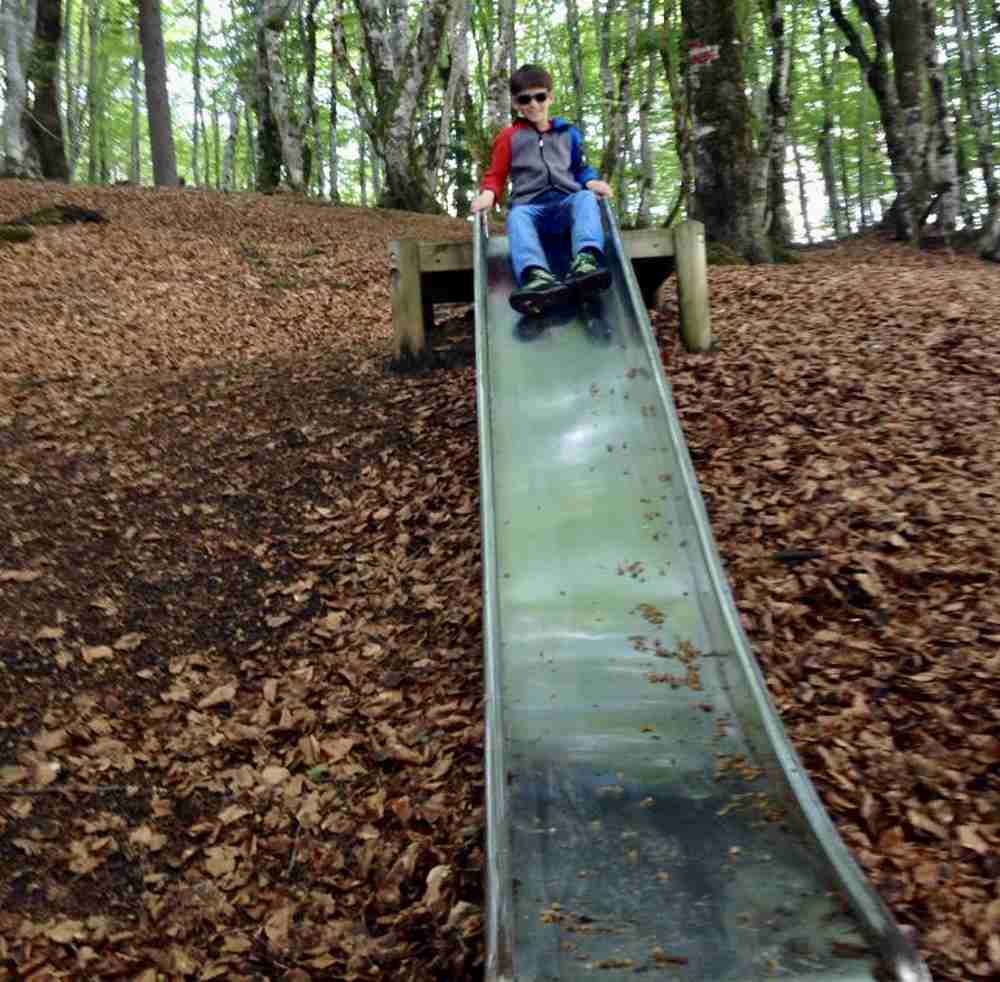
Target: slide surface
<point x="646" y="812"/>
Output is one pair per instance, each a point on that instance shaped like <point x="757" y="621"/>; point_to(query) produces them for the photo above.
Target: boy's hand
<point x="600" y="188"/>
<point x="482" y="201"/>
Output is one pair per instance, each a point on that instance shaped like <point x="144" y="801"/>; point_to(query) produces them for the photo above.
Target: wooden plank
<point x="643" y="243"/>
<point x="409" y="337"/>
<point x="692" y="286"/>
<point x="440" y="257"/>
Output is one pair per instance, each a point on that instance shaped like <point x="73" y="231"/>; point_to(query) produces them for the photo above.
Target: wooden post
<point x="692" y="286"/>
<point x="409" y="337"/>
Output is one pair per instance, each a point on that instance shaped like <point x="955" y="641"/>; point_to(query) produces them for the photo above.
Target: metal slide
<point x="646" y="811"/>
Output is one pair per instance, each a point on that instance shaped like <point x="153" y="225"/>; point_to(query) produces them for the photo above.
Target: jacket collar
<point x="559" y="123"/>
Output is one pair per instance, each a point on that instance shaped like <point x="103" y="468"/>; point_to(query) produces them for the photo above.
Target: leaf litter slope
<point x="239" y="586"/>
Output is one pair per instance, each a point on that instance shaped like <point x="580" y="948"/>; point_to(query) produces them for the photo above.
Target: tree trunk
<point x="104" y="156"/>
<point x="273" y="21"/>
<point x="944" y="163"/>
<point x="362" y="170"/>
<point x="308" y="31"/>
<point x="876" y="71"/>
<point x="74" y="86"/>
<point x="465" y="186"/>
<point x="498" y="93"/>
<point x="196" y="85"/>
<point x="161" y="137"/>
<point x="229" y="155"/>
<point x="93" y="87"/>
<point x="44" y="126"/>
<point x="399" y="89"/>
<point x="576" y="60"/>
<point x="826" y="160"/>
<point x="779" y="109"/>
<point x="670" y="43"/>
<point x="864" y="207"/>
<point x="252" y="146"/>
<point x="334" y="151"/>
<point x="800" y="175"/>
<point x="721" y="127"/>
<point x="216" y="142"/>
<point x="67" y="63"/>
<point x="458" y="79"/>
<point x="990" y="241"/>
<point x="19" y="156"/>
<point x="965" y="191"/>
<point x="135" y="130"/>
<point x="376" y="172"/>
<point x="268" y="156"/>
<point x="643" y="217"/>
<point x="615" y="159"/>
<point x="609" y="117"/>
<point x="909" y="66"/>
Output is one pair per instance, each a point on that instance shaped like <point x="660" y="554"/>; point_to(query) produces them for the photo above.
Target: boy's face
<point x="533" y="104"/>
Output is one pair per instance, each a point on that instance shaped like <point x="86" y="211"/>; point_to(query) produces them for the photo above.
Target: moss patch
<point x="16" y="233"/>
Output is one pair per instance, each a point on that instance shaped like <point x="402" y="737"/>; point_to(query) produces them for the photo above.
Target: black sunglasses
<point x="525" y="97"/>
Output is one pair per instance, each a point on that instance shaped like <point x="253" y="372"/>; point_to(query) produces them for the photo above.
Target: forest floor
<point x="240" y="636"/>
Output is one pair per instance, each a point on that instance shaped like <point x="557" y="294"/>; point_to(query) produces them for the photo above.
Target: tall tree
<point x="400" y="68"/>
<point x="44" y="126"/>
<point x="458" y="80"/>
<point x="943" y="160"/>
<point x="274" y="16"/>
<point x="575" y="60"/>
<point x="95" y="19"/>
<point x="903" y="133"/>
<point x="267" y="158"/>
<point x="334" y="149"/>
<point x="498" y="99"/>
<point x="196" y="86"/>
<point x="135" y="128"/>
<point x="232" y="138"/>
<point x="971" y="93"/>
<point x="826" y="158"/>
<point x="161" y="136"/>
<point x="721" y="126"/>
<point x="74" y="88"/>
<point x="671" y="42"/>
<point x="643" y="216"/>
<point x="779" y="223"/>
<point x="20" y="157"/>
<point x="311" y="146"/>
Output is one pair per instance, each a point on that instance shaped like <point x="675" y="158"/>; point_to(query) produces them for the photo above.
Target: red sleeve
<point x="495" y="179"/>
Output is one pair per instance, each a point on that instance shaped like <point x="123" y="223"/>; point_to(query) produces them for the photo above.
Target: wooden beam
<point x="409" y="336"/>
<point x="647" y="243"/>
<point x="643" y="243"/>
<point x="692" y="286"/>
<point x="441" y="257"/>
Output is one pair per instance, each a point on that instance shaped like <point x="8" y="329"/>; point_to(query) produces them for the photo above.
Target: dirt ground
<point x="240" y="632"/>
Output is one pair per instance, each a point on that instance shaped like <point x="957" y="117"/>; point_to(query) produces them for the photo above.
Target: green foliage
<point x="228" y="61"/>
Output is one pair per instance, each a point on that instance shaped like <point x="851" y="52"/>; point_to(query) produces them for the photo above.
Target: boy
<point x="554" y="190"/>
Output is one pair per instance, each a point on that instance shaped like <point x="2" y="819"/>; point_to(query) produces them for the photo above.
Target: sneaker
<point x="587" y="274"/>
<point x="539" y="291"/>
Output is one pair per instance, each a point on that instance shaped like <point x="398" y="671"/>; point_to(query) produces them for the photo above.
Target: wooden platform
<point x="426" y="273"/>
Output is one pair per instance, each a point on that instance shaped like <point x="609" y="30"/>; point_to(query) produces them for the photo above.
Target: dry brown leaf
<point x="218" y="696"/>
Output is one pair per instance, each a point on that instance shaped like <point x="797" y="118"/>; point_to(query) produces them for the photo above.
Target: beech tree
<point x="44" y="123"/>
<point x="161" y="136"/>
<point x="400" y="59"/>
<point x="274" y="16"/>
<point x="885" y="109"/>
<point x="20" y="155"/>
<point x="721" y="135"/>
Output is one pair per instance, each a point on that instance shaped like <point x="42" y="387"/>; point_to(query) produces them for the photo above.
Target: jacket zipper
<point x="541" y="153"/>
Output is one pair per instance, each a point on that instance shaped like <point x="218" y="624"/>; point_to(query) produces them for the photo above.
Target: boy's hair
<point x="530" y="77"/>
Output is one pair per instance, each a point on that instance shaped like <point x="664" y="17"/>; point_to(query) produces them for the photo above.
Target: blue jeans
<point x="529" y="226"/>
